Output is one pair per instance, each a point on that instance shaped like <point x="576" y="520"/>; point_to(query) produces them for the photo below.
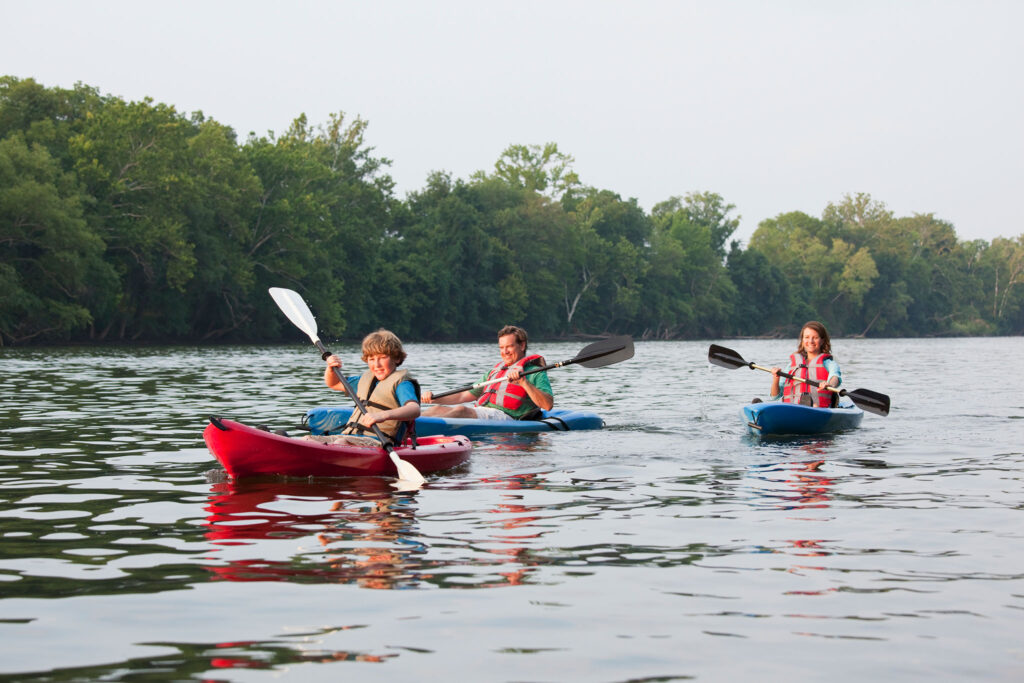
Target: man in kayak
<point x="391" y="396"/>
<point x="518" y="396"/>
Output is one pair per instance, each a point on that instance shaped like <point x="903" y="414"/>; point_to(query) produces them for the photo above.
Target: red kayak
<point x="246" y="451"/>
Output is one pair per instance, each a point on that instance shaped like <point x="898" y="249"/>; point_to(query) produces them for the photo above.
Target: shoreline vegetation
<point x="130" y="223"/>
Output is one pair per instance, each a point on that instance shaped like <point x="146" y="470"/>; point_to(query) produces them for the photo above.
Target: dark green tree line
<point x="129" y="221"/>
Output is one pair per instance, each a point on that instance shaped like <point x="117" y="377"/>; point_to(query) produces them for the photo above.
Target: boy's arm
<point x="410" y="411"/>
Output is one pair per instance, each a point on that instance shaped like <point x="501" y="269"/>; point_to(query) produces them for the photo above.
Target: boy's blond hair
<point x="384" y="342"/>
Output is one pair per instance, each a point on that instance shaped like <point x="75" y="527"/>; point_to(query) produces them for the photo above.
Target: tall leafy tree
<point x="762" y="305"/>
<point x="829" y="277"/>
<point x="131" y="157"/>
<point x="537" y="168"/>
<point x="606" y="250"/>
<point x="221" y="297"/>
<point x="1004" y="285"/>
<point x="49" y="258"/>
<point x="449" y="275"/>
<point x="687" y="289"/>
<point x="321" y="218"/>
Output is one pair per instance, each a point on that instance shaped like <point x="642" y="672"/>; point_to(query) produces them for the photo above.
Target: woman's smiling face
<point x="810" y="341"/>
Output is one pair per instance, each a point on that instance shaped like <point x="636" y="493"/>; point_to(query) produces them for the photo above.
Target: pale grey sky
<point x="777" y="106"/>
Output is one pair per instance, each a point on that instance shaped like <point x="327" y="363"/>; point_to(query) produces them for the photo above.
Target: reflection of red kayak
<point x="246" y="451"/>
<point x="252" y="508"/>
<point x="366" y="531"/>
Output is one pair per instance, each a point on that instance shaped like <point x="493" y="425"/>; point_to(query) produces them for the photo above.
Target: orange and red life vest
<point x="503" y="394"/>
<point x="815" y="372"/>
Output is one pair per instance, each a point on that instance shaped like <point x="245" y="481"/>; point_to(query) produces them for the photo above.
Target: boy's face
<point x="381" y="365"/>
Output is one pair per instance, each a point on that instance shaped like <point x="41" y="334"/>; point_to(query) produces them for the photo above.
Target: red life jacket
<point x="503" y="394"/>
<point x="814" y="372"/>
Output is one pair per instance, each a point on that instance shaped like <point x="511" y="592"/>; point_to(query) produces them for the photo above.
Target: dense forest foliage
<point x="127" y="221"/>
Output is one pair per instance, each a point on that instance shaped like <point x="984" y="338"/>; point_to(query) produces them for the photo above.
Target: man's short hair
<point x="520" y="333"/>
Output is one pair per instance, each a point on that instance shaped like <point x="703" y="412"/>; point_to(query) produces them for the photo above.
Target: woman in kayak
<point x="813" y="362"/>
<point x="391" y="396"/>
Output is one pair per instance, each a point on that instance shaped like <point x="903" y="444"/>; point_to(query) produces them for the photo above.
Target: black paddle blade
<point x="871" y="401"/>
<point x="726" y="358"/>
<point x="605" y="352"/>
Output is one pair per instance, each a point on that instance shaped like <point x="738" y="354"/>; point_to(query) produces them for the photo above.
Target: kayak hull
<point x="782" y="419"/>
<point x="246" y="452"/>
<point x="329" y="420"/>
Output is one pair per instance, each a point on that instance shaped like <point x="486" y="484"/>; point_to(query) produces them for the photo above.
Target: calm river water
<point x="667" y="546"/>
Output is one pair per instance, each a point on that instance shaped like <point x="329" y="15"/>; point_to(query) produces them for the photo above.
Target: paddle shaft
<point x="841" y="392"/>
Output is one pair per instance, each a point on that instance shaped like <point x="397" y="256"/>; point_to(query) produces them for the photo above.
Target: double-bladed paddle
<point x="292" y="305"/>
<point x="596" y="355"/>
<point x="868" y="400"/>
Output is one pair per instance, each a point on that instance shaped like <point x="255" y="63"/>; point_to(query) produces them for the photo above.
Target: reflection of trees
<point x="193" y="661"/>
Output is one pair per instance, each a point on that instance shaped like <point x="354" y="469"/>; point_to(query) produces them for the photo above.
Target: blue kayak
<point x="325" y="419"/>
<point x="776" y="418"/>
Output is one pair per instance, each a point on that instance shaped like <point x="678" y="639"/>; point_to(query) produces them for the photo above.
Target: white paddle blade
<point x="406" y="470"/>
<point x="292" y="305"/>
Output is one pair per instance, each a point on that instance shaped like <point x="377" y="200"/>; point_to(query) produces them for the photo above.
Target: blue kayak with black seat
<point x="775" y="418"/>
<point x="331" y="420"/>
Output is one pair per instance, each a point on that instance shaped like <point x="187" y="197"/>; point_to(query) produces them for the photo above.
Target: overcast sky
<point x="777" y="106"/>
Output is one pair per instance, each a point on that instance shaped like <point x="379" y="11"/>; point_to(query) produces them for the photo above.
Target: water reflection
<point x="516" y="526"/>
<point x="362" y="531"/>
<point x="512" y="443"/>
<point x="801" y="485"/>
<point x="363" y="526"/>
<point x="120" y="558"/>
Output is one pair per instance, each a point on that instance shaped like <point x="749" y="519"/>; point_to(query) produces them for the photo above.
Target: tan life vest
<point x="383" y="397"/>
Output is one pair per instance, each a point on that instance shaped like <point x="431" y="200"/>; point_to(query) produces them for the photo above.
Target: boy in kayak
<point x="517" y="397"/>
<point x="391" y="396"/>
